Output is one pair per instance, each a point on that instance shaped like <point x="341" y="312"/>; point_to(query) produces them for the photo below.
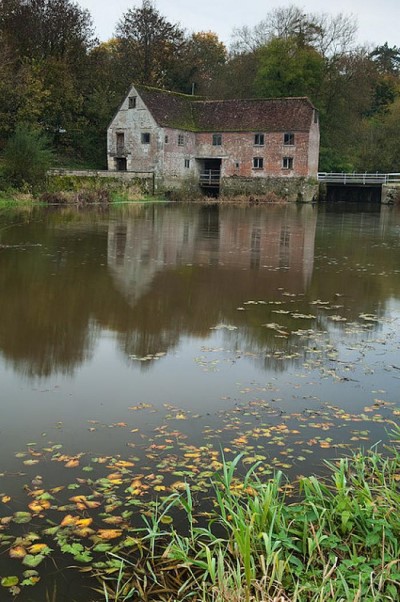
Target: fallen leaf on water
<point x="38" y="548"/>
<point x="17" y="552"/>
<point x="9" y="581"/>
<point x="109" y="533"/>
<point x="37" y="506"/>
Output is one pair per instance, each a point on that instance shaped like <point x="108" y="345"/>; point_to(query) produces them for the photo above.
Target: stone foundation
<point x="304" y="190"/>
<point x="390" y="194"/>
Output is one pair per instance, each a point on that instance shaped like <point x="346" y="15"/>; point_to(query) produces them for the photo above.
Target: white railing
<point x="359" y="178"/>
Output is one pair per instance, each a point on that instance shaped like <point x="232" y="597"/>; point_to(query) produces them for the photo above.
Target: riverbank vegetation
<point x="339" y="540"/>
<point x="58" y="80"/>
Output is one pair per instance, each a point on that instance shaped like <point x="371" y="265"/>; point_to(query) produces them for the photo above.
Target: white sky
<point x="378" y="20"/>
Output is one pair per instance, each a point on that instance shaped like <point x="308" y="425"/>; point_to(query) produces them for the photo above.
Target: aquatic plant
<point x="339" y="540"/>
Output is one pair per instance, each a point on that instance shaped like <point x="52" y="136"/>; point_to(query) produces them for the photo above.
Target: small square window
<point x="287" y="163"/>
<point x="288" y="139"/>
<point x="187" y="162"/>
<point x="259" y="139"/>
<point x="258" y="162"/>
<point x="132" y="102"/>
<point x="217" y="139"/>
<point x="145" y="138"/>
<point x="166" y="139"/>
<point x="181" y="140"/>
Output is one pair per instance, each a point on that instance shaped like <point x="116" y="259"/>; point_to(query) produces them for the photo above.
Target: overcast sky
<point x="378" y="20"/>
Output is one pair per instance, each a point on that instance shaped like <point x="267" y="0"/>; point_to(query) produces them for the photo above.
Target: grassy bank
<point x="79" y="190"/>
<point x="338" y="541"/>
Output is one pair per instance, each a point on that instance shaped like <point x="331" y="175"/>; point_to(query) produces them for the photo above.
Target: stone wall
<point x="286" y="189"/>
<point x="390" y="194"/>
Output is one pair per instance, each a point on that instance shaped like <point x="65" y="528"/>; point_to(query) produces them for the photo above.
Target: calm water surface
<point x="162" y="335"/>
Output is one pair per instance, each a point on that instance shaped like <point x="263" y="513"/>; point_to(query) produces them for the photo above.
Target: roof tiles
<point x="189" y="113"/>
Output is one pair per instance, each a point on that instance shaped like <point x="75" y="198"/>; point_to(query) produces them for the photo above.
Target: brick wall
<point x="161" y="150"/>
<point x="238" y="151"/>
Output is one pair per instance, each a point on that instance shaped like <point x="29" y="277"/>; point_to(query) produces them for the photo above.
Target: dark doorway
<point x="120" y="163"/>
<point x="210" y="176"/>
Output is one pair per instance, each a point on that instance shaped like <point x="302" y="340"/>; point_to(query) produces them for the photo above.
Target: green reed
<point x="339" y="541"/>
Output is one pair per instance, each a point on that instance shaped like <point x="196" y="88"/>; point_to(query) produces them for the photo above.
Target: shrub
<point x="26" y="159"/>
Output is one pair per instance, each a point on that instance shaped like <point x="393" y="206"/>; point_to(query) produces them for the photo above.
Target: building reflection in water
<point x="150" y="278"/>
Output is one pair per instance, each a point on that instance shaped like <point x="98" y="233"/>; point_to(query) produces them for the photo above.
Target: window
<point x="166" y="139"/>
<point x="217" y="139"/>
<point x="288" y="138"/>
<point x="132" y="102"/>
<point x="120" y="141"/>
<point x="145" y="138"/>
<point x="181" y="140"/>
<point x="287" y="163"/>
<point x="258" y="163"/>
<point x="259" y="139"/>
<point x="187" y="162"/>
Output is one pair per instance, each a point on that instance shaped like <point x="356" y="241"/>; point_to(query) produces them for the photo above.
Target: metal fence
<point x="359" y="178"/>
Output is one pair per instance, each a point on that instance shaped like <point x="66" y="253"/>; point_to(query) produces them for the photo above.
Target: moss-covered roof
<point x="194" y="114"/>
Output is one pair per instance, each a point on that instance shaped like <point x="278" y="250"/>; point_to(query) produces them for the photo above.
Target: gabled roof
<point x="191" y="113"/>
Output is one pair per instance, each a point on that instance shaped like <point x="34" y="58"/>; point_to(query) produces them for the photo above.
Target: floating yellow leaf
<point x="37" y="492"/>
<point x="83" y="522"/>
<point x="160" y="488"/>
<point x="69" y="520"/>
<point x="113" y="520"/>
<point x="180" y="485"/>
<point x="57" y="489"/>
<point x="17" y="552"/>
<point x="109" y="533"/>
<point x="115" y="476"/>
<point x="78" y="498"/>
<point x="37" y="506"/>
<point x="5" y="499"/>
<point x="85" y="532"/>
<point x="123" y="464"/>
<point x="37" y="548"/>
<point x="72" y="464"/>
<point x="92" y="504"/>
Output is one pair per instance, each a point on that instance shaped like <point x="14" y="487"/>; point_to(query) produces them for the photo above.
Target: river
<point x="139" y="344"/>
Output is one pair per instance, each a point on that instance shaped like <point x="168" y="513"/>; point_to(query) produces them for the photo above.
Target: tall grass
<point x="339" y="541"/>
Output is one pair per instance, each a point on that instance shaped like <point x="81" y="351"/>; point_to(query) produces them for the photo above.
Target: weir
<point x="359" y="187"/>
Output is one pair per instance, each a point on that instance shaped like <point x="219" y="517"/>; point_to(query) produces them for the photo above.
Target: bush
<point x="26" y="159"/>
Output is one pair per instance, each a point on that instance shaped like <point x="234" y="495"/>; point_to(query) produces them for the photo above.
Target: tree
<point x="347" y="94"/>
<point x="38" y="29"/>
<point x="380" y="142"/>
<point x="200" y="65"/>
<point x="288" y="67"/>
<point x="48" y="41"/>
<point x="329" y="35"/>
<point x="386" y="59"/>
<point x="26" y="158"/>
<point x="149" y="45"/>
<point x="9" y="93"/>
